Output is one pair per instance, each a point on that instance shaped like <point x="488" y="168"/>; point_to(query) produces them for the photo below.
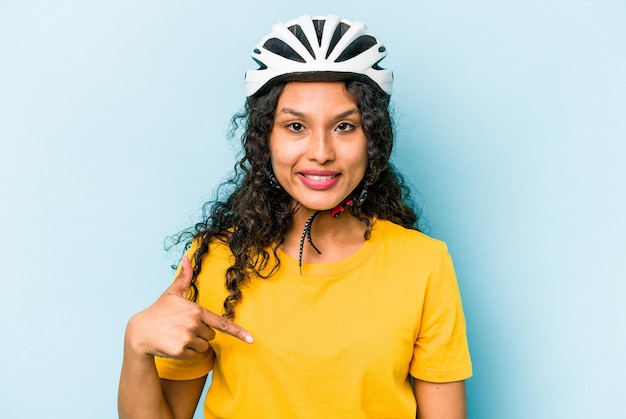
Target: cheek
<point x="281" y="159"/>
<point x="284" y="152"/>
<point x="276" y="155"/>
<point x="360" y="158"/>
<point x="274" y="150"/>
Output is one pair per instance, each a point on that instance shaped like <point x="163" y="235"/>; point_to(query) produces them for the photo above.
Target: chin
<point x="319" y="201"/>
<point x="319" y="206"/>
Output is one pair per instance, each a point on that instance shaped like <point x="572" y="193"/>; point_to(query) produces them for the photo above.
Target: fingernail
<point x="249" y="339"/>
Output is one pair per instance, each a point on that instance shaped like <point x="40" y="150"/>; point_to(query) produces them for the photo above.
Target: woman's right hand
<point x="174" y="327"/>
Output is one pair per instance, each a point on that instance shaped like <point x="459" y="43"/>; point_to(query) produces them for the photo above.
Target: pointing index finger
<point x="225" y="325"/>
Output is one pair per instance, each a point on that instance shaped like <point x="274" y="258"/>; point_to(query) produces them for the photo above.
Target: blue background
<point x="510" y="123"/>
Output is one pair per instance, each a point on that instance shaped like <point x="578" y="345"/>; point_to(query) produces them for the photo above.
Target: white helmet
<point x="318" y="48"/>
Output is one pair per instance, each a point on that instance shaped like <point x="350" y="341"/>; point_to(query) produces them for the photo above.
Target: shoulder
<point x="402" y="239"/>
<point x="214" y="260"/>
<point x="217" y="246"/>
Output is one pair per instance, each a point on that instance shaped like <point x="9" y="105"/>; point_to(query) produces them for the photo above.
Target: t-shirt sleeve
<point x="188" y="369"/>
<point x="441" y="352"/>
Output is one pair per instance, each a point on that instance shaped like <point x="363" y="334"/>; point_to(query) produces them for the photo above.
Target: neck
<point x="336" y="238"/>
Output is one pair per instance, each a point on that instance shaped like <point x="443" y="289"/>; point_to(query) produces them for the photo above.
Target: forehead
<point x="315" y="95"/>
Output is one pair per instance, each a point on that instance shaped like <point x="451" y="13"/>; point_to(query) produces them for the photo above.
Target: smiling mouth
<point x="318" y="178"/>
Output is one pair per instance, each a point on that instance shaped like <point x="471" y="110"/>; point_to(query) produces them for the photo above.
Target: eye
<point x="345" y="126"/>
<point x="295" y="127"/>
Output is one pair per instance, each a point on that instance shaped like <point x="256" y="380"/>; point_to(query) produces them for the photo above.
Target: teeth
<point x="314" y="177"/>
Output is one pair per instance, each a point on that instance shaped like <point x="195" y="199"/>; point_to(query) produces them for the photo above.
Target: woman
<point x="354" y="312"/>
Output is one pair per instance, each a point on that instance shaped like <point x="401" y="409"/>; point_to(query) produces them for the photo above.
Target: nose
<point x="321" y="148"/>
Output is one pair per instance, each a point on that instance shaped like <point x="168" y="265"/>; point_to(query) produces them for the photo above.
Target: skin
<point x="173" y="327"/>
<point x="317" y="144"/>
<point x="319" y="156"/>
<point x="440" y="400"/>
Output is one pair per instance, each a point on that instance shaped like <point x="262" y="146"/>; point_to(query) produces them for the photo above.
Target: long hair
<point x="253" y="213"/>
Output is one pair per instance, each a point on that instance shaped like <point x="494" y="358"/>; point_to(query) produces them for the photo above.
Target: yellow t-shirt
<point x="339" y="340"/>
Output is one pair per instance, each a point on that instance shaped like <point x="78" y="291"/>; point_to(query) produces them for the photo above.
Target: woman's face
<point x="318" y="148"/>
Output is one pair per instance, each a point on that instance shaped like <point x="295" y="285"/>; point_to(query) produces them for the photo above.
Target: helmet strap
<point x="354" y="200"/>
<point x="334" y="213"/>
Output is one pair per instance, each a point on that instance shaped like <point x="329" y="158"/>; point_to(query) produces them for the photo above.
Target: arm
<point x="183" y="395"/>
<point x="440" y="400"/>
<point x="142" y="394"/>
<point x="172" y="327"/>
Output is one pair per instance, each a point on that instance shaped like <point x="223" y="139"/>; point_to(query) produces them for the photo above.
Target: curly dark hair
<point x="254" y="214"/>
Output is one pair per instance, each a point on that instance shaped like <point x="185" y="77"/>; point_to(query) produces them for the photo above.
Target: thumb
<point x="183" y="279"/>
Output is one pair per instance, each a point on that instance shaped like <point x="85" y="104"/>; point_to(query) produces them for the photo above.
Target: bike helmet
<point x="318" y="48"/>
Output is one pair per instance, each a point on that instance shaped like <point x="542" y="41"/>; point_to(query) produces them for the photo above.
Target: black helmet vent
<point x="319" y="29"/>
<point x="340" y="31"/>
<point x="279" y="47"/>
<point x="261" y="65"/>
<point x="299" y="33"/>
<point x="359" y="45"/>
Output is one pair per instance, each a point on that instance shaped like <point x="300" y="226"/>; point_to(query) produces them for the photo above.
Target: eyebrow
<point x="299" y="114"/>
